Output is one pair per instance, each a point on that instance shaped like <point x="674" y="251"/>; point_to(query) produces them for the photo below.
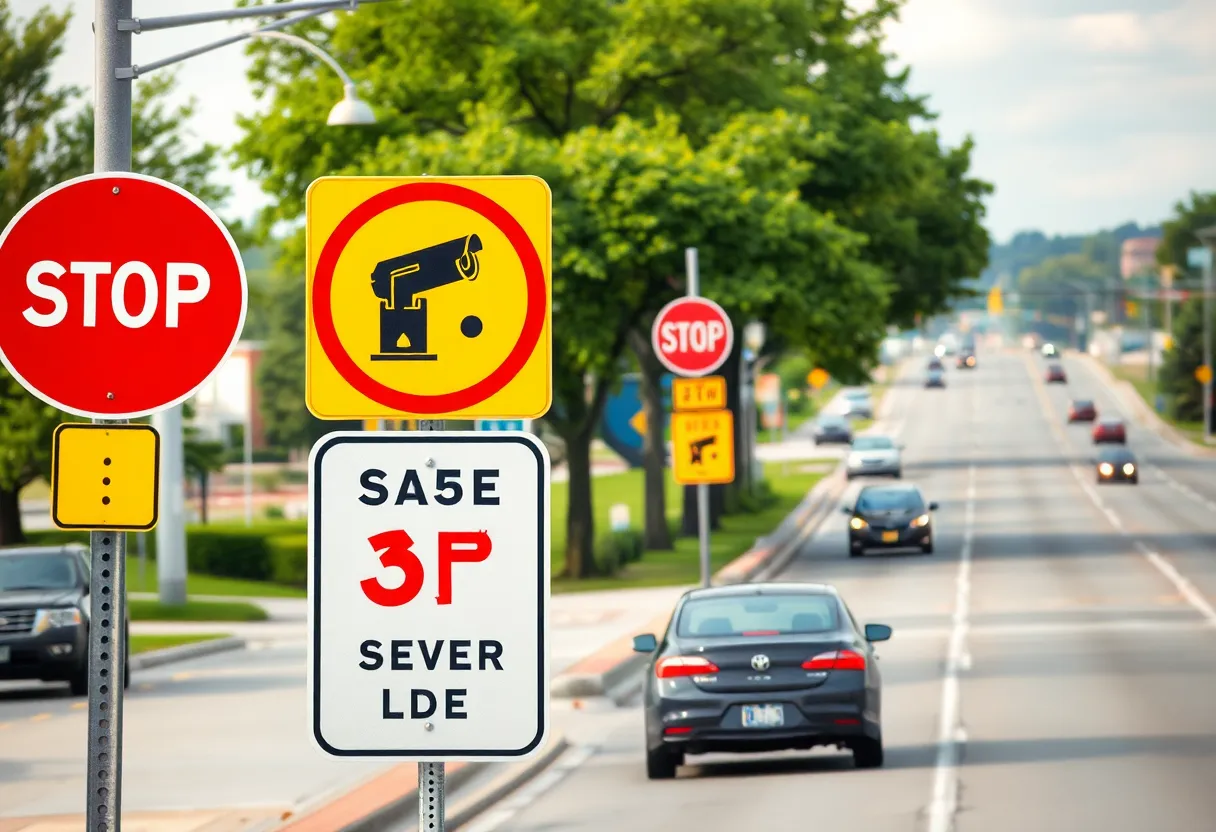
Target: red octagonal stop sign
<point x="120" y="295"/>
<point x="692" y="336"/>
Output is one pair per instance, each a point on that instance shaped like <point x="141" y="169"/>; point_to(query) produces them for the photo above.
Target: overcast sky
<point x="1087" y="113"/>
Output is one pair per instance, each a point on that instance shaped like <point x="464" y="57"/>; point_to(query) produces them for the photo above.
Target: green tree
<point x="1179" y="231"/>
<point x="1183" y="393"/>
<point x="640" y="115"/>
<point x="1057" y="287"/>
<point x="36" y="151"/>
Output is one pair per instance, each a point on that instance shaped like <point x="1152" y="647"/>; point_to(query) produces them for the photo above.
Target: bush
<point x="289" y="559"/>
<point x="275" y="513"/>
<point x="229" y="554"/>
<point x="612" y="551"/>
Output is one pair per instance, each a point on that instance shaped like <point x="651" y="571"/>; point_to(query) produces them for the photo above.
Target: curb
<point x="381" y="804"/>
<point x="169" y="655"/>
<point x="465" y="811"/>
<point x="1140" y="411"/>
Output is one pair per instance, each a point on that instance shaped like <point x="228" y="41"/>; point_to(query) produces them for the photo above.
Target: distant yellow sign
<point x="996" y="302"/>
<point x="1131" y="308"/>
<point x="703" y="447"/>
<point x="429" y="297"/>
<point x="638" y="422"/>
<point x="1203" y="374"/>
<point x="817" y="378"/>
<point x="1167" y="343"/>
<point x="704" y="393"/>
<point x="105" y="477"/>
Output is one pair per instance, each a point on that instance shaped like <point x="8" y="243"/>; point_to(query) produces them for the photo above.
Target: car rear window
<point x="1082" y="404"/>
<point x="889" y="499"/>
<point x="789" y="614"/>
<point x="872" y="443"/>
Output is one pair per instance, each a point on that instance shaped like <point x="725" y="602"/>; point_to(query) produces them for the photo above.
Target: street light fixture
<point x="753" y="336"/>
<point x="351" y="110"/>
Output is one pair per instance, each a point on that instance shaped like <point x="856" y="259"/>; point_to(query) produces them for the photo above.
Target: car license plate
<point x="4" y="654"/>
<point x="763" y="716"/>
<point x="890" y="537"/>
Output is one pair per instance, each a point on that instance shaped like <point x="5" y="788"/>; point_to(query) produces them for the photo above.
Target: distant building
<point x="230" y="397"/>
<point x="1139" y="255"/>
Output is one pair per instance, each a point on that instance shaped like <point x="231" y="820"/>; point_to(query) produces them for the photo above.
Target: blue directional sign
<point x="502" y="424"/>
<point x="624" y="425"/>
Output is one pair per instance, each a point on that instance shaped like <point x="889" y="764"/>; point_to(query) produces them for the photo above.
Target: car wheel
<point x="867" y="753"/>
<point x="898" y="475"/>
<point x="927" y="547"/>
<point x="1135" y="479"/>
<point x="856" y="550"/>
<point x="660" y="764"/>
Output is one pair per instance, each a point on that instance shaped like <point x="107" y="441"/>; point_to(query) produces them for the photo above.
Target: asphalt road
<point x="1053" y="665"/>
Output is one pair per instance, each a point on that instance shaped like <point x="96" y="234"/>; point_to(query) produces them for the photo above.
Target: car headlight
<point x="62" y="617"/>
<point x="923" y="520"/>
<point x="1106" y="469"/>
<point x="857" y="524"/>
<point x="1129" y="469"/>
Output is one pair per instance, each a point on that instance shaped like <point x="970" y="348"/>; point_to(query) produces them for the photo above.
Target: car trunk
<point x="785" y="654"/>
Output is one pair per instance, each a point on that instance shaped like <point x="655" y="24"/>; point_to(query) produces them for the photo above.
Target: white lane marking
<point x="951" y="736"/>
<point x="975" y="631"/>
<point x="1184" y="586"/>
<point x="533" y="789"/>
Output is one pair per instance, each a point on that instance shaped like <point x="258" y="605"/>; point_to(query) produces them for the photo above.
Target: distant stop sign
<point x="692" y="336"/>
<point x="120" y="295"/>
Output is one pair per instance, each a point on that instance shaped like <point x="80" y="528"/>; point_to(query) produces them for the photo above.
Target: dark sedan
<point x="833" y="430"/>
<point x="935" y="378"/>
<point x="890" y="517"/>
<point x="761" y="667"/>
<point x="1055" y="374"/>
<point x="1082" y="410"/>
<point x="1110" y="430"/>
<point x="1117" y="465"/>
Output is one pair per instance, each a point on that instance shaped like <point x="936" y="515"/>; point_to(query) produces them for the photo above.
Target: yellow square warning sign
<point x="429" y="297"/>
<point x="703" y="447"/>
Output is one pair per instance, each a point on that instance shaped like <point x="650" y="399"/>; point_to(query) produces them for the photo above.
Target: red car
<point x="1055" y="373"/>
<point x="1082" y="410"/>
<point x="1110" y="430"/>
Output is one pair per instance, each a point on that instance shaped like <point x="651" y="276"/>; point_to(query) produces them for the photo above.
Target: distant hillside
<point x="1029" y="248"/>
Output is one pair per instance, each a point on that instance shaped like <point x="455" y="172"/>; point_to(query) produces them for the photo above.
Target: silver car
<point x="874" y="456"/>
<point x="856" y="403"/>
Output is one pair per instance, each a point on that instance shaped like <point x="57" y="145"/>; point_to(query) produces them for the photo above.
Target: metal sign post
<point x="694" y="289"/>
<point x="432" y="784"/>
<point x="108" y="549"/>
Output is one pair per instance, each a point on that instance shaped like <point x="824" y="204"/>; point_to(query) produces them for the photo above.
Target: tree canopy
<point x="770" y="134"/>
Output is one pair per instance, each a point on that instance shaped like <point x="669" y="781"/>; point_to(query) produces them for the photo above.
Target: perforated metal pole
<point x="108" y="550"/>
<point x="693" y="283"/>
<point x="432" y="796"/>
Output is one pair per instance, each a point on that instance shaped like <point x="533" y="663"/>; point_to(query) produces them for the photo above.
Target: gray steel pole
<point x="693" y="289"/>
<point x="432" y="794"/>
<point x="171" y="526"/>
<point x="1207" y="344"/>
<point x="108" y="550"/>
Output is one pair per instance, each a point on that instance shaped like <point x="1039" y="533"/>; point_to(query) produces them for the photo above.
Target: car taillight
<point x="836" y="660"/>
<point x="677" y="666"/>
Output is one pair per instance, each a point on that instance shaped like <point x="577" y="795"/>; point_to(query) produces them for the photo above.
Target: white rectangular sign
<point x="428" y="590"/>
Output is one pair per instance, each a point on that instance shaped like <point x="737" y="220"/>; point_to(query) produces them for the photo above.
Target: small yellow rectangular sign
<point x="705" y="393"/>
<point x="105" y="477"/>
<point x="703" y="447"/>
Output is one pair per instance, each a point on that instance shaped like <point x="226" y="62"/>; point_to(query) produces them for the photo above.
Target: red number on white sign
<point x="397" y="551"/>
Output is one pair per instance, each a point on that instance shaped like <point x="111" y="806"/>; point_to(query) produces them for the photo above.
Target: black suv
<point x="44" y="615"/>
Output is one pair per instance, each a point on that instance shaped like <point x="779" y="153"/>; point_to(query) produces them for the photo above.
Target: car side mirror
<point x="877" y="632"/>
<point x="933" y="506"/>
<point x="645" y="643"/>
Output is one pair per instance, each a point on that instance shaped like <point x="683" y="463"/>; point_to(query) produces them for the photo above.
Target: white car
<point x="874" y="456"/>
<point x="855" y="403"/>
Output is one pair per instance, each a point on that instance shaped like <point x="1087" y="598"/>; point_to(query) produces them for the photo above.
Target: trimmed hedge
<point x="275" y="552"/>
<point x="615" y="550"/>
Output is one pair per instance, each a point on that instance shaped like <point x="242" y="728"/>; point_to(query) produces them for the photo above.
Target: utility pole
<point x="1207" y="236"/>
